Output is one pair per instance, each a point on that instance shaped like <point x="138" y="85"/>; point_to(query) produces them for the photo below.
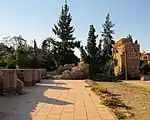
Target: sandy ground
<point x="135" y="97"/>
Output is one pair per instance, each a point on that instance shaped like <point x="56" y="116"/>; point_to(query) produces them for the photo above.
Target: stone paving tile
<point x="52" y="119"/>
<point x="50" y="101"/>
<point x="54" y="116"/>
<point x="67" y="117"/>
<point x="39" y="117"/>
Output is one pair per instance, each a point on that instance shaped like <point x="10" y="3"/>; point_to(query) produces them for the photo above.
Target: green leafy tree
<point x="107" y="38"/>
<point x="10" y="60"/>
<point x="109" y="67"/>
<point x="21" y="52"/>
<point x="145" y="67"/>
<point x="48" y="56"/>
<point x="4" y="49"/>
<point x="64" y="31"/>
<point x="46" y="44"/>
<point x="91" y="44"/>
<point x="3" y="62"/>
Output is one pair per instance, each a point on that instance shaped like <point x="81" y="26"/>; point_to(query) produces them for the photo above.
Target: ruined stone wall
<point x="130" y="55"/>
<point x="133" y="59"/>
<point x="9" y="78"/>
<point x="118" y="57"/>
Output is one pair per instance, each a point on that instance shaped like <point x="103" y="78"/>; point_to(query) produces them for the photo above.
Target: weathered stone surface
<point x="20" y="74"/>
<point x="43" y="73"/>
<point x="33" y="77"/>
<point x="28" y="76"/>
<point x="5" y="79"/>
<point x="12" y="79"/>
<point x="126" y="54"/>
<point x="37" y="75"/>
<point x="19" y="86"/>
<point x="61" y="69"/>
<point x="145" y="77"/>
<point x="8" y="80"/>
<point x="77" y="72"/>
<point x="1" y="81"/>
<point x="27" y="73"/>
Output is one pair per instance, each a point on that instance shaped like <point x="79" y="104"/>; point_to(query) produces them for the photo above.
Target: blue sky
<point x="35" y="18"/>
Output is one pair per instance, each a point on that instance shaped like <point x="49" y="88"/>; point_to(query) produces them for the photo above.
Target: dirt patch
<point x="136" y="97"/>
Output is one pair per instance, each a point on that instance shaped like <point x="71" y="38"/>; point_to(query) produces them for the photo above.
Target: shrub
<point x="3" y="62"/>
<point x="145" y="67"/>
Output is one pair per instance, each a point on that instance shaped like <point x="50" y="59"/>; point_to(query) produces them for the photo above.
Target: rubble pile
<point x="76" y="72"/>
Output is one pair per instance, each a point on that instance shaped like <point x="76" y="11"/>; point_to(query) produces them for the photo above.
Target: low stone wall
<point x="37" y="75"/>
<point x="43" y="73"/>
<point x="31" y="76"/>
<point x="27" y="73"/>
<point x="9" y="79"/>
<point x="145" y="77"/>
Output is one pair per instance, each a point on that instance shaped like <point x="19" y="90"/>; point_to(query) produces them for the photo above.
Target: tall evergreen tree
<point x="107" y="38"/>
<point x="91" y="44"/>
<point x="99" y="51"/>
<point x="64" y="31"/>
<point x="35" y="44"/>
<point x="83" y="54"/>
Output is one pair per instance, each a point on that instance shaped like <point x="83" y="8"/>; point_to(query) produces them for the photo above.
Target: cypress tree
<point x="107" y="38"/>
<point x="91" y="44"/>
<point x="64" y="31"/>
<point x="83" y="54"/>
<point x="99" y="51"/>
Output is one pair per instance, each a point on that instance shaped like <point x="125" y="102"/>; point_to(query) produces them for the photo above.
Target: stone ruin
<point x="126" y="54"/>
<point x="13" y="80"/>
<point x="70" y="71"/>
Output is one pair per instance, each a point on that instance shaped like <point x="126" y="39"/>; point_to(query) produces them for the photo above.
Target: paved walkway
<point x="55" y="100"/>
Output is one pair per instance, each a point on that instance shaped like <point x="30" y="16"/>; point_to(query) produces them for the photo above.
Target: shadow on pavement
<point x="19" y="107"/>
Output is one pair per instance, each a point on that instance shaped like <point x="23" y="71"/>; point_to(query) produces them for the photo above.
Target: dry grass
<point x="120" y="109"/>
<point x="137" y="97"/>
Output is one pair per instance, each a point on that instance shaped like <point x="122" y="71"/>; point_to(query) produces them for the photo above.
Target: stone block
<point x="43" y="73"/>
<point x="9" y="80"/>
<point x="12" y="79"/>
<point x="20" y="74"/>
<point x="27" y="73"/>
<point x="33" y="77"/>
<point x="142" y="78"/>
<point x="37" y="75"/>
<point x="5" y="79"/>
<point x="19" y="86"/>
